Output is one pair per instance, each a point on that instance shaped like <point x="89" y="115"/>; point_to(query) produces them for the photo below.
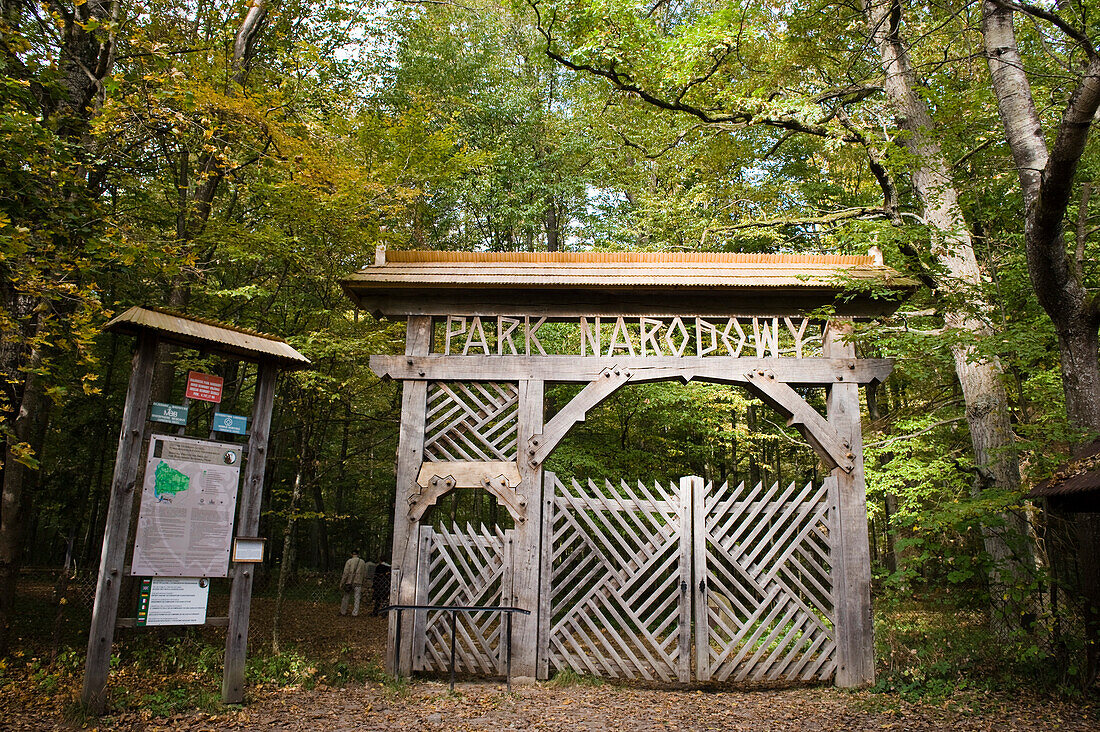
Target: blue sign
<point x="231" y="423"/>
<point x="168" y="413"/>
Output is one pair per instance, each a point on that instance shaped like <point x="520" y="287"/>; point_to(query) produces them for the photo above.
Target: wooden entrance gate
<point x="486" y="332"/>
<point x="764" y="590"/>
<point x="462" y="566"/>
<point x="614" y="571"/>
<point x="624" y="567"/>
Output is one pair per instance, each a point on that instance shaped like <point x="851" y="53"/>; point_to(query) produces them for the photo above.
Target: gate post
<point x="410" y="454"/>
<point x="419" y="636"/>
<point x="851" y="554"/>
<point x="248" y="525"/>
<point x="526" y="553"/>
<point x="546" y="573"/>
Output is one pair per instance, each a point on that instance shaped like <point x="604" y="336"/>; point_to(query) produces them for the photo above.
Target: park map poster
<point x="185" y="525"/>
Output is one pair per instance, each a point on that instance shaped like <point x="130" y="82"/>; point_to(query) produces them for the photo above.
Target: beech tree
<point x="56" y="58"/>
<point x="710" y="81"/>
<point x="982" y="379"/>
<point x="1048" y="154"/>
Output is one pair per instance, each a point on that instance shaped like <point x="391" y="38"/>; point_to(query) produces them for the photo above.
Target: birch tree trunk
<point x="982" y="380"/>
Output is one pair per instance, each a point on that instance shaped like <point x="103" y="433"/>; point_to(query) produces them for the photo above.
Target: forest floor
<point x="329" y="678"/>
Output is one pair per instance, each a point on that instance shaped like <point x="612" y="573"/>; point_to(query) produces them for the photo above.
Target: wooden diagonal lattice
<point x="462" y="566"/>
<point x="766" y="612"/>
<point x="474" y="421"/>
<point x="617" y="607"/>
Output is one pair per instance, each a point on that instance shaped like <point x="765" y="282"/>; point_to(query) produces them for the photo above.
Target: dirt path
<point x="430" y="706"/>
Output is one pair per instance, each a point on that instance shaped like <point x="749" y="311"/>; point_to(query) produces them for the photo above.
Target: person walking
<point x="356" y="573"/>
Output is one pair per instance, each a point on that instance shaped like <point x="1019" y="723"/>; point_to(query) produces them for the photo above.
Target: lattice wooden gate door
<point x="625" y="569"/>
<point x="764" y="596"/>
<point x="462" y="566"/>
<point x="616" y="569"/>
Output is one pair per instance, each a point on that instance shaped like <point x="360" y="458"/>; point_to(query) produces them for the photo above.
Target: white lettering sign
<point x="735" y="336"/>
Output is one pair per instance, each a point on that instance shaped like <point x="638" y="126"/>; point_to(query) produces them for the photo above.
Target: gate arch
<point x="502" y="325"/>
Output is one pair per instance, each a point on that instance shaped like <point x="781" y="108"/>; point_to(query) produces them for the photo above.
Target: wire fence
<point x="78" y="586"/>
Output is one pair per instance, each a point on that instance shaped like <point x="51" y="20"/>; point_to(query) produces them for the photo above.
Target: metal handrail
<point x="453" y="610"/>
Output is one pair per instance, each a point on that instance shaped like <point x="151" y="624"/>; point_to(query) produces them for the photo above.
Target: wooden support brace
<point x="603" y="386"/>
<point x="833" y="448"/>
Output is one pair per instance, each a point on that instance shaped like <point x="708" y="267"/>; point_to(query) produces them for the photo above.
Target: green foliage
<point x="287" y="668"/>
<point x="932" y="648"/>
<point x="247" y="196"/>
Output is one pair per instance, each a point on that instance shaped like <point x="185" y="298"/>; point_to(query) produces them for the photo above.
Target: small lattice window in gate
<point x="474" y="421"/>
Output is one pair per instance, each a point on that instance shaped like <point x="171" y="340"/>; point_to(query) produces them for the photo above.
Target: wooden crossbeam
<point x="499" y="478"/>
<point x="795" y="371"/>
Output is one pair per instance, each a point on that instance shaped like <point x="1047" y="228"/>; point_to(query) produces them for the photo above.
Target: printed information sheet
<point x="169" y="601"/>
<point x="185" y="527"/>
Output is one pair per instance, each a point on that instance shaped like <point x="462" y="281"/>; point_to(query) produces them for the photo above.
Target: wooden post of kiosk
<point x="248" y="525"/>
<point x="101" y="635"/>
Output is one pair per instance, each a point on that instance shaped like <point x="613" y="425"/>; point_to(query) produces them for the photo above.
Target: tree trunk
<point x="287" y="559"/>
<point x="982" y="381"/>
<point x="553" y="225"/>
<point x="1046" y="179"/>
<point x="17" y="478"/>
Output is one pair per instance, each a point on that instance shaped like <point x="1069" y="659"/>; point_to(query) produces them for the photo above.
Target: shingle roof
<point x="545" y="270"/>
<point x="1080" y="475"/>
<point x="195" y="332"/>
<point x="511" y="274"/>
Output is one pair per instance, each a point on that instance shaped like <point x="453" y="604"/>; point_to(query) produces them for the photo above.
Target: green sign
<point x="143" y="602"/>
<point x="231" y="423"/>
<point x="168" y="413"/>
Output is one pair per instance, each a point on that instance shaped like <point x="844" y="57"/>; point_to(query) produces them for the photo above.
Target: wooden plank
<point x="410" y="454"/>
<point x="615" y="301"/>
<point x="567" y="368"/>
<point x="468" y="474"/>
<point x="546" y="566"/>
<point x="248" y="525"/>
<point x="700" y="582"/>
<point x="507" y="594"/>
<point x="689" y="486"/>
<point x="423" y="585"/>
<point x="101" y="634"/>
<point x="528" y="538"/>
<point x="852" y="556"/>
